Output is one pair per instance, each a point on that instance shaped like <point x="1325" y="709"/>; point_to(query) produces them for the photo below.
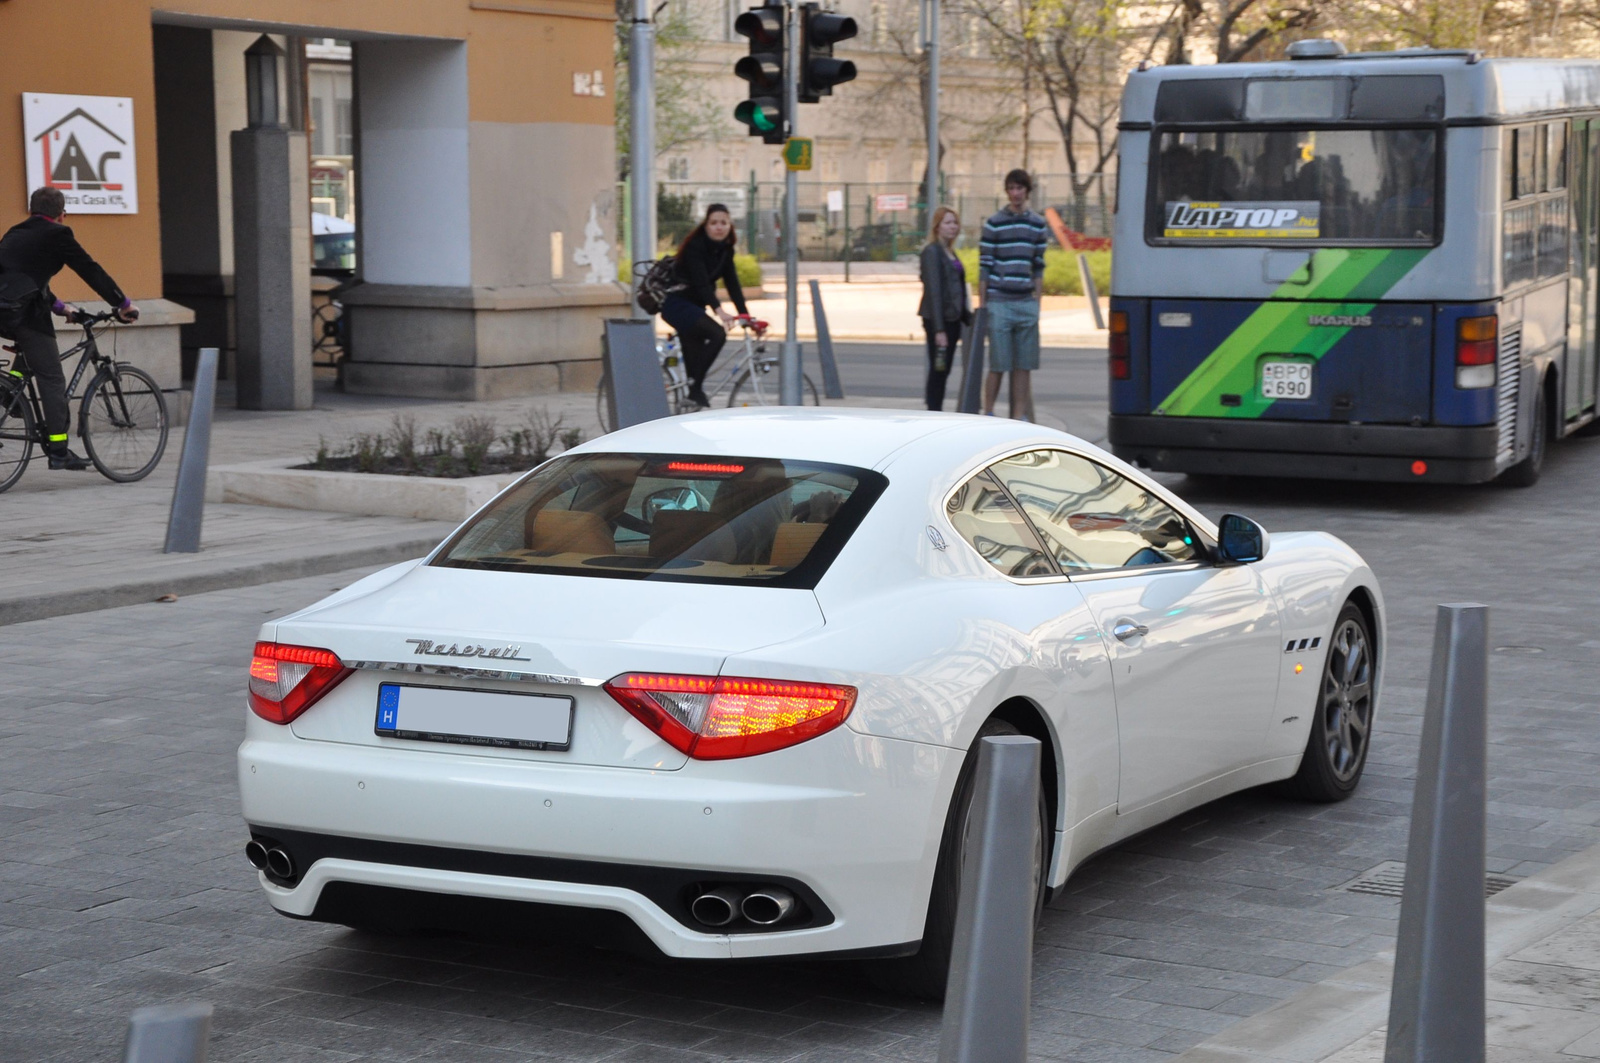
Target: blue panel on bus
<point x="1364" y="362"/>
<point x="1453" y="405"/>
<point x="1133" y="394"/>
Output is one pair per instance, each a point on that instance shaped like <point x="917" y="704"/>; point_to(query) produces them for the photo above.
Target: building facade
<point x="463" y="150"/>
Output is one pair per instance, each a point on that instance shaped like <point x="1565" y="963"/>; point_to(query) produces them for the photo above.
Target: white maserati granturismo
<point x="717" y="680"/>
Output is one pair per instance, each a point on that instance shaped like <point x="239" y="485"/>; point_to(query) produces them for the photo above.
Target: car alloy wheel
<point x="1347" y="700"/>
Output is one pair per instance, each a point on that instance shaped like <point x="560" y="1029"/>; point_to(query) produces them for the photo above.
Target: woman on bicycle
<point x="944" y="306"/>
<point x="705" y="257"/>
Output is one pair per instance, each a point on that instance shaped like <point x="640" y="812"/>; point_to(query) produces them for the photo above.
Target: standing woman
<point x="944" y="306"/>
<point x="705" y="257"/>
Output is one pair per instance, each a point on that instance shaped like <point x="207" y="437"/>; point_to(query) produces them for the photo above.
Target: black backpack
<point x="18" y="295"/>
<point x="656" y="281"/>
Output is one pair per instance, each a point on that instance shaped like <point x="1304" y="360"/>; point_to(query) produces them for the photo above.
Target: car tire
<point x="1341" y="723"/>
<point x="1526" y="472"/>
<point x="924" y="974"/>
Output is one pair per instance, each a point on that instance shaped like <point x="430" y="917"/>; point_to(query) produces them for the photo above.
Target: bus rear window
<point x="1351" y="186"/>
<point x="674" y="517"/>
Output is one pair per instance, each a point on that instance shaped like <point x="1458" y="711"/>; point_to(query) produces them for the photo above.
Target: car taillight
<point x="287" y="680"/>
<point x="1120" y="360"/>
<point x="717" y="717"/>
<point x="1477" y="346"/>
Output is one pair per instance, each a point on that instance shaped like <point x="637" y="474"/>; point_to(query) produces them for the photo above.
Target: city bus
<point x="1374" y="266"/>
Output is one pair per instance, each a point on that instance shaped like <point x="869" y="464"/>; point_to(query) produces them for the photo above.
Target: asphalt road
<point x="122" y="882"/>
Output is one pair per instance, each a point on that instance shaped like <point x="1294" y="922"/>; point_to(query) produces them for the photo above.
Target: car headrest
<point x="575" y="531"/>
<point x="793" y="541"/>
<point x="686" y="533"/>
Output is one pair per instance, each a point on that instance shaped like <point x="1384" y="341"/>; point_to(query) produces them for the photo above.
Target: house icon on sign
<point x="67" y="165"/>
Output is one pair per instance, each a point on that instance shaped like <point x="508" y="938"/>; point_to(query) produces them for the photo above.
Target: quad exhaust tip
<point x="768" y="906"/>
<point x="763" y="905"/>
<point x="274" y="860"/>
<point x="716" y="907"/>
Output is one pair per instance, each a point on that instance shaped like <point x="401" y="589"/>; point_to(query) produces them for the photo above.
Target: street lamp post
<point x="642" y="140"/>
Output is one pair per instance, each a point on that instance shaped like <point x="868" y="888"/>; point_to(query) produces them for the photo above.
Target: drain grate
<point x="1388" y="879"/>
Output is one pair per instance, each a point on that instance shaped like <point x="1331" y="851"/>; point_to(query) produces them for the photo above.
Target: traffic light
<point x="763" y="112"/>
<point x="819" y="70"/>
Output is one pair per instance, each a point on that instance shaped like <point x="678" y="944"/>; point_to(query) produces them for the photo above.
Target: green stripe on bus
<point x="1346" y="281"/>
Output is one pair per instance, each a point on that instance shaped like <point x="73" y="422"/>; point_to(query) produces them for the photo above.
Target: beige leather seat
<point x="688" y="534"/>
<point x="793" y="541"/>
<point x="569" y="531"/>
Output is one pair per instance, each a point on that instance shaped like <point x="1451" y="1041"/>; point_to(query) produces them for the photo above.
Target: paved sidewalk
<point x="1543" y="950"/>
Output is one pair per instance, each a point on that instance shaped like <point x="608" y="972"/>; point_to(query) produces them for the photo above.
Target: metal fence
<point x="871" y="222"/>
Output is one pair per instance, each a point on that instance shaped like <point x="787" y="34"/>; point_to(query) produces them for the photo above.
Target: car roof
<point x="865" y="438"/>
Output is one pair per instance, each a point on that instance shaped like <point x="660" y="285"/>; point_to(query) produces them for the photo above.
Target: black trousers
<point x="702" y="341"/>
<point x="934" y="393"/>
<point x="43" y="359"/>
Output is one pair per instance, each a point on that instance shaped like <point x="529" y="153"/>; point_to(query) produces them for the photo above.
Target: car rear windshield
<point x="1303" y="186"/>
<point x="687" y="518"/>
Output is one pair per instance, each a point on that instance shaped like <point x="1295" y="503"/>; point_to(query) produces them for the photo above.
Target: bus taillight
<point x="1477" y="345"/>
<point x="1121" y="362"/>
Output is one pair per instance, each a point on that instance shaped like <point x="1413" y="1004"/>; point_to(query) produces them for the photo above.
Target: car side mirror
<point x="1241" y="540"/>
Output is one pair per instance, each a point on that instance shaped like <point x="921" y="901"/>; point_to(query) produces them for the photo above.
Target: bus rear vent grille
<point x="1510" y="362"/>
<point x="1388" y="879"/>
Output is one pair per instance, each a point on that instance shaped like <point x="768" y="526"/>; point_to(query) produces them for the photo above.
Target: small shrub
<point x="439" y="443"/>
<point x="571" y="437"/>
<point x="515" y="443"/>
<point x="749" y="271"/>
<point x="403" y="440"/>
<point x="542" y="433"/>
<point x="476" y="434"/>
<point x="319" y="460"/>
<point x="369" y="449"/>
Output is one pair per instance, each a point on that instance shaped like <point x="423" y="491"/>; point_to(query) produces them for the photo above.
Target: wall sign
<point x="82" y="145"/>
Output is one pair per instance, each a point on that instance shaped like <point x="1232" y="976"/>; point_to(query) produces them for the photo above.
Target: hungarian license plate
<point x="474" y="717"/>
<point x="1286" y="380"/>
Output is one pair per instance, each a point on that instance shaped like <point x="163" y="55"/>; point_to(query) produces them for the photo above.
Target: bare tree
<point x="685" y="111"/>
<point x="1237" y="30"/>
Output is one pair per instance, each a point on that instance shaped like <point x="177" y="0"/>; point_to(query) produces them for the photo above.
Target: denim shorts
<point x="1013" y="334"/>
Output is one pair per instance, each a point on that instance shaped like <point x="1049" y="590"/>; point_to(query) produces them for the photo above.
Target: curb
<point x="89" y="600"/>
<point x="1335" y="1013"/>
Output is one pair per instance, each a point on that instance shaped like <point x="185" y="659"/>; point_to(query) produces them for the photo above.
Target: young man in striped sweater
<point x="1010" y="281"/>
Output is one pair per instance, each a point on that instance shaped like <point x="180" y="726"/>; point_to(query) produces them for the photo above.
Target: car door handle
<point x="1127" y="629"/>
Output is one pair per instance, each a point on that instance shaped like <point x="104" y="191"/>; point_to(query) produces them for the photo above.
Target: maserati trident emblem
<point x="429" y="648"/>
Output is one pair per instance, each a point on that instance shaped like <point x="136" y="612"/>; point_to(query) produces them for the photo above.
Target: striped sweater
<point x="1011" y="254"/>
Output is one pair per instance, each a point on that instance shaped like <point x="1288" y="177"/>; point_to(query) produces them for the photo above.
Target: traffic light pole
<point x="932" y="44"/>
<point x="641" y="140"/>
<point x="789" y="360"/>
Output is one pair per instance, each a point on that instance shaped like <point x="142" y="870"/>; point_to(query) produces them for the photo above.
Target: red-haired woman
<point x="705" y="257"/>
<point x="944" y="306"/>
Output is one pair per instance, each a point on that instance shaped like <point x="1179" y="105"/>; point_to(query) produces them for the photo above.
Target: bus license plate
<point x="1285" y="380"/>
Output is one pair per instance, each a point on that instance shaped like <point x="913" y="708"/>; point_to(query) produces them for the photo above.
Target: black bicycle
<point x="122" y="419"/>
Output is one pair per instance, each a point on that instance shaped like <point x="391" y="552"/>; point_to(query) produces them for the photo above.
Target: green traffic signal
<point x="763" y="113"/>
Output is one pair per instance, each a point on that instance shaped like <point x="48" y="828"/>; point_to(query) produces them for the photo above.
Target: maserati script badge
<point x="429" y="648"/>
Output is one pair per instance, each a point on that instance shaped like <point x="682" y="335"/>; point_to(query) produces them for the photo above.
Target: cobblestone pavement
<point x="122" y="883"/>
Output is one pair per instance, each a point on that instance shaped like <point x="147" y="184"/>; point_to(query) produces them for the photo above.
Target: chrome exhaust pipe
<point x="716" y="907"/>
<point x="279" y="864"/>
<point x="768" y="906"/>
<point x="256" y="853"/>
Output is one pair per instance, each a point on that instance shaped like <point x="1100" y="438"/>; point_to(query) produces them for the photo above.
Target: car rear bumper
<point x="1224" y="446"/>
<point x="848" y="822"/>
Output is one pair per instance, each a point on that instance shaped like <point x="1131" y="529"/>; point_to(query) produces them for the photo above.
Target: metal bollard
<point x="831" y="387"/>
<point x="189" y="493"/>
<point x="1436" y="1006"/>
<point x="1090" y="290"/>
<point x="991" y="965"/>
<point x="168" y="1033"/>
<point x="971" y="396"/>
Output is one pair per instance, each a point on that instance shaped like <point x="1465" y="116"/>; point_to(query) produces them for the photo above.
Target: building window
<point x="678" y="168"/>
<point x="830" y="167"/>
<point x="728" y="169"/>
<point x="878" y="171"/>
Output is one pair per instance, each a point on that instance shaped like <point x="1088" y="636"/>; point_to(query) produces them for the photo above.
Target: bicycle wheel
<point x="676" y="397"/>
<point x="762" y="390"/>
<point x="16" y="439"/>
<point x="124" y="423"/>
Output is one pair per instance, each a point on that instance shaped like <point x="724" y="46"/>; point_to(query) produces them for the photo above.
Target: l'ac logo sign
<point x="82" y="145"/>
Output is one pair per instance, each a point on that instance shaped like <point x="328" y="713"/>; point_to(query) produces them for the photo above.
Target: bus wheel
<point x="1525" y="473"/>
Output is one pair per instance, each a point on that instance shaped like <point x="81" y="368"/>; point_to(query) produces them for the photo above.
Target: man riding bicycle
<point x="38" y="248"/>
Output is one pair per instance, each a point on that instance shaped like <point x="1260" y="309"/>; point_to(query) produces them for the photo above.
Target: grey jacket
<point x="944" y="290"/>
